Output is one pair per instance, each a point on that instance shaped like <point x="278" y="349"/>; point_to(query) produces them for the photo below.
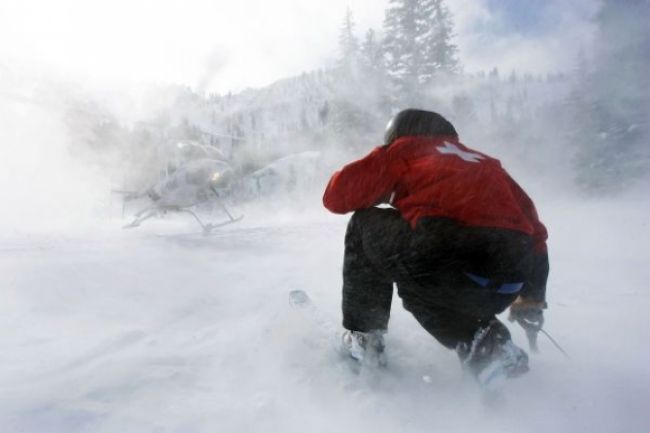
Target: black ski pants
<point x="449" y="276"/>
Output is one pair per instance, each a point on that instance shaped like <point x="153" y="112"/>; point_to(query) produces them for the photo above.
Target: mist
<point x="178" y="324"/>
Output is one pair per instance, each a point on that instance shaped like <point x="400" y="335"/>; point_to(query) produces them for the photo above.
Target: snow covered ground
<point x="161" y="330"/>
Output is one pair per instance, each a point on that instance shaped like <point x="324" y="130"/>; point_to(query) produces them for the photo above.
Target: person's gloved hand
<point x="529" y="315"/>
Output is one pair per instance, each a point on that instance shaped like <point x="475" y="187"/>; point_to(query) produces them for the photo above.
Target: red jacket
<point x="437" y="177"/>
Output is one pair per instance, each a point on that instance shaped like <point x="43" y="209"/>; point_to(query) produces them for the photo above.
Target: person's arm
<point x="540" y="234"/>
<point x="534" y="290"/>
<point x="361" y="184"/>
<point x="528" y="308"/>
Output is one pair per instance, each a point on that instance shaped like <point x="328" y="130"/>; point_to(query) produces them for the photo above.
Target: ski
<point x="332" y="333"/>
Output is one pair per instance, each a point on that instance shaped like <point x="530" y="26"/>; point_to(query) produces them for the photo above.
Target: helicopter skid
<point x="147" y="213"/>
<point x="209" y="227"/>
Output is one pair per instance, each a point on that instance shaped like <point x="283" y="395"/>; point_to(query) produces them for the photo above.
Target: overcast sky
<point x="222" y="45"/>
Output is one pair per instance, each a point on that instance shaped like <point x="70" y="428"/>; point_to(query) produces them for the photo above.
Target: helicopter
<point x="199" y="173"/>
<point x="187" y="184"/>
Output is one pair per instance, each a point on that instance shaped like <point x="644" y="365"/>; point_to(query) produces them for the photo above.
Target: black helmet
<point x="417" y="122"/>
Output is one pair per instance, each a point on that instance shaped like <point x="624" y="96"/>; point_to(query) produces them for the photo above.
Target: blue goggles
<point x="504" y="289"/>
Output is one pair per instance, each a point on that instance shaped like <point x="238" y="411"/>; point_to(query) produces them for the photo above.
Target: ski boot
<point x="492" y="355"/>
<point x="365" y="348"/>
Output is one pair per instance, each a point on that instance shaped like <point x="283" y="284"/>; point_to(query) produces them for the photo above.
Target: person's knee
<point x="364" y="215"/>
<point x="377" y="219"/>
<point x="447" y="326"/>
<point x="363" y="220"/>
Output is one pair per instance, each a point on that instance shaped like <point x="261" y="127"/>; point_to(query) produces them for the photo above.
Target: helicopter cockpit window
<point x="199" y="176"/>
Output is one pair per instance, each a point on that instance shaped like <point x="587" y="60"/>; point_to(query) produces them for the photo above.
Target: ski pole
<point x="555" y="343"/>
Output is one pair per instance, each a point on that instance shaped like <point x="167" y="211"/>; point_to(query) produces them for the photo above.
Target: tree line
<point x="394" y="67"/>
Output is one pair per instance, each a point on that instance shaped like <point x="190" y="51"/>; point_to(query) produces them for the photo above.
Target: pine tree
<point x="418" y="45"/>
<point x="442" y="55"/>
<point x="349" y="112"/>
<point x="371" y="53"/>
<point x="373" y="71"/>
<point x="611" y="104"/>
<point x="348" y="45"/>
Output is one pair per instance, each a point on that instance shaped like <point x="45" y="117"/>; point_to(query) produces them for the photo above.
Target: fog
<point x="42" y="182"/>
<point x="162" y="328"/>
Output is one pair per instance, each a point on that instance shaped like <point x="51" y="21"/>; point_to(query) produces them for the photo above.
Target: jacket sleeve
<point x="540" y="235"/>
<point x="535" y="287"/>
<point x="360" y="184"/>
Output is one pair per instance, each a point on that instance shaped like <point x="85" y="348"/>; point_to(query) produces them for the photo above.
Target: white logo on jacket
<point x="452" y="149"/>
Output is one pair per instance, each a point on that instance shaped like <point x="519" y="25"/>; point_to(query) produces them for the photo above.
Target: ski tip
<point x="298" y="298"/>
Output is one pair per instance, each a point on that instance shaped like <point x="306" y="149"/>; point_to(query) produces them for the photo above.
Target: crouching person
<point x="462" y="242"/>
